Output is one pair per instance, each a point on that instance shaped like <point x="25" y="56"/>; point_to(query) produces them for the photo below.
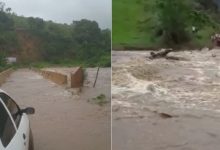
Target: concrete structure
<point x="11" y="60"/>
<point x="71" y="77"/>
<point x="58" y="78"/>
<point x="76" y="78"/>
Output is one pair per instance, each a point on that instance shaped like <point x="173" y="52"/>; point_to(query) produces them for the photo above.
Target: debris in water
<point x="165" y="115"/>
<point x="160" y="54"/>
<point x="151" y="88"/>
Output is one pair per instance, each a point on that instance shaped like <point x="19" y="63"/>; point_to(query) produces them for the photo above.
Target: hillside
<point x="37" y="42"/>
<point x="126" y="30"/>
<point x="136" y="23"/>
<point x="29" y="47"/>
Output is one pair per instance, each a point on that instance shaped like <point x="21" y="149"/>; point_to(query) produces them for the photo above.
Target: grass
<point x="3" y="68"/>
<point x="104" y="61"/>
<point x="202" y="38"/>
<point x="100" y="100"/>
<point x="126" y="28"/>
<point x="134" y="27"/>
<point x="64" y="63"/>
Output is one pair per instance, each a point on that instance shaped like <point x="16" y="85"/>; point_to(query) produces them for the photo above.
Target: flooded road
<point x="63" y="121"/>
<point x="166" y="104"/>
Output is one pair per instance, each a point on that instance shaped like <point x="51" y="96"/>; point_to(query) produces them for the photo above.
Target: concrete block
<point x="76" y="78"/>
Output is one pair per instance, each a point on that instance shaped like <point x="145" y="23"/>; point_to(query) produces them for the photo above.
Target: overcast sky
<point x="64" y="11"/>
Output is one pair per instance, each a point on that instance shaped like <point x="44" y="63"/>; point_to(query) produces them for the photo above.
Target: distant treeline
<point x="82" y="42"/>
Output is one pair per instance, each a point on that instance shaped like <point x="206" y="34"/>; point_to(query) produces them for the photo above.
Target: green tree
<point x="2" y="59"/>
<point x="208" y="5"/>
<point x="172" y="16"/>
<point x="2" y="6"/>
<point x="87" y="36"/>
<point x="8" y="10"/>
<point x="6" y="23"/>
<point x="7" y="36"/>
<point x="86" y="32"/>
<point x="36" y="24"/>
<point x="106" y="40"/>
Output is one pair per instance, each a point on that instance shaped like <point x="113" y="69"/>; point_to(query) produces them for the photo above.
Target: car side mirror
<point x="28" y="110"/>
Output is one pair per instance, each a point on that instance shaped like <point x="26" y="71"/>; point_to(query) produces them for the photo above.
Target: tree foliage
<point x="82" y="41"/>
<point x="208" y="5"/>
<point x="172" y="16"/>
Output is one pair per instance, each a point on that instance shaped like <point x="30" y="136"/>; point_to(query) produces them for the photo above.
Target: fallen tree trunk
<point x="160" y="54"/>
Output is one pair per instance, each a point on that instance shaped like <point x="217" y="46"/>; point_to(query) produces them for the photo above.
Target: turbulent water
<point x="191" y="84"/>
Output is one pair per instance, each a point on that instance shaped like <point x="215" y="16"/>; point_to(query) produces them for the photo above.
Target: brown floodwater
<point x="64" y="120"/>
<point x="166" y="104"/>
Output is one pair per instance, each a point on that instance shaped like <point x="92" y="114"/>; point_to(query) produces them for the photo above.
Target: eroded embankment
<point x="4" y="75"/>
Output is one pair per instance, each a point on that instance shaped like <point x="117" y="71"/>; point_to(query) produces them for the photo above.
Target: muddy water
<point x="63" y="121"/>
<point x="166" y="104"/>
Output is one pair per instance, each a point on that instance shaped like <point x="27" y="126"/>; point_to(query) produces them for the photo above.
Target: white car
<point x="15" y="132"/>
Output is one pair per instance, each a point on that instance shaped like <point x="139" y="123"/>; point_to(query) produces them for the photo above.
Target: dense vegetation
<point x="159" y="23"/>
<point x="37" y="42"/>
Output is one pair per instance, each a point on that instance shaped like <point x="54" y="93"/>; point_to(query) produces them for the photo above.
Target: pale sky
<point x="64" y="11"/>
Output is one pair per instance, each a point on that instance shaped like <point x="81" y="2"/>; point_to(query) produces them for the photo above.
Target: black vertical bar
<point x="96" y="77"/>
